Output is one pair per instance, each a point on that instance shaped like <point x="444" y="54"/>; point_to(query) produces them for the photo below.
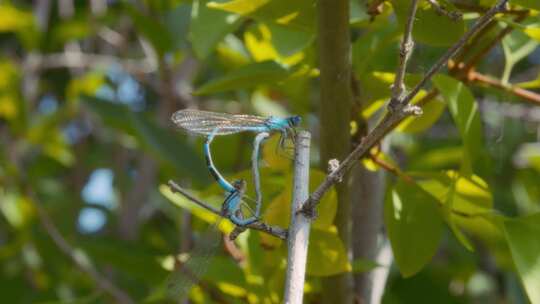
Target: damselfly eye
<point x="294" y="121"/>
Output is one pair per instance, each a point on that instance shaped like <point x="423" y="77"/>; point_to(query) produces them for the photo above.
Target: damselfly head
<point x="239" y="185"/>
<point x="294" y="121"/>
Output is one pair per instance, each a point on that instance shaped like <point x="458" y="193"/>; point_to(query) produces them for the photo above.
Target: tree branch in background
<point x="334" y="112"/>
<point x="78" y="259"/>
<point x="392" y="118"/>
<point x="272" y="230"/>
<point x="84" y="60"/>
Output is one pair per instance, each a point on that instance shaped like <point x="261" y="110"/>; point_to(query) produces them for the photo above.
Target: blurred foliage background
<point x="87" y="89"/>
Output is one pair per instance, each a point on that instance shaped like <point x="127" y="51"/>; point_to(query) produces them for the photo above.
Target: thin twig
<point x="391" y="119"/>
<point x="480" y="23"/>
<point x="473" y="61"/>
<point x="272" y="230"/>
<point x="453" y="15"/>
<point x="84" y="265"/>
<point x="405" y="51"/>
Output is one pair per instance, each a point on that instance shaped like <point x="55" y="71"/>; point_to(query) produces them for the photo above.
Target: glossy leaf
<point x="522" y="237"/>
<point x="412" y="218"/>
<point x="465" y="113"/>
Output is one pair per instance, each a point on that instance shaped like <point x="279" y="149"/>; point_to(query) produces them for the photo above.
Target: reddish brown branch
<point x="527" y="95"/>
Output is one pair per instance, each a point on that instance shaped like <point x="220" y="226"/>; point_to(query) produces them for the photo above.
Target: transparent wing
<point x="204" y="122"/>
<point x="179" y="282"/>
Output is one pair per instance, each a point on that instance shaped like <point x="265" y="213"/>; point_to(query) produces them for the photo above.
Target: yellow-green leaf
<point x="299" y="14"/>
<point x="326" y="254"/>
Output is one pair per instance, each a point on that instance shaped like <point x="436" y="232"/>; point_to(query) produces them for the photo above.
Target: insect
<point x="212" y="124"/>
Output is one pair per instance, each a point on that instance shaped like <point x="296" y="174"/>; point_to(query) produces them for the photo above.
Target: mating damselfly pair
<point x="211" y="124"/>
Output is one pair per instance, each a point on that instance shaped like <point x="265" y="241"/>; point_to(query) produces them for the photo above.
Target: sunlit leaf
<point x="299" y="15"/>
<point x="522" y="237"/>
<point x="15" y="209"/>
<point x="260" y="40"/>
<point x="13" y="19"/>
<point x="326" y="254"/>
<point x="414" y="224"/>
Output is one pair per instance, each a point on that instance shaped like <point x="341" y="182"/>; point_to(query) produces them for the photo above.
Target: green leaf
<point x="209" y="26"/>
<point x="414" y="226"/>
<point x="522" y="235"/>
<point x="299" y="14"/>
<point x="428" y="24"/>
<point x="289" y="41"/>
<point x="467" y="203"/>
<point x="465" y="113"/>
<point x="516" y="46"/>
<point x="245" y="77"/>
<point x="326" y="254"/>
<point x="13" y="19"/>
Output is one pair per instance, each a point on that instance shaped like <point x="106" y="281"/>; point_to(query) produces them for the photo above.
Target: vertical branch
<point x="335" y="112"/>
<point x="299" y="228"/>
